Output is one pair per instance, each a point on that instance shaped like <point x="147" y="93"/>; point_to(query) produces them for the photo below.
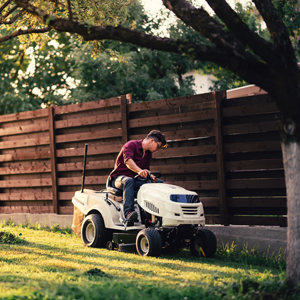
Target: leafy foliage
<point x="68" y="70"/>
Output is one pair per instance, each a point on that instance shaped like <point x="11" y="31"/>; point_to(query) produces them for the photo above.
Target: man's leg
<point x="127" y="184"/>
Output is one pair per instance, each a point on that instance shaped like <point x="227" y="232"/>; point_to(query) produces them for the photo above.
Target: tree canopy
<point x="67" y="69"/>
<point x="230" y="43"/>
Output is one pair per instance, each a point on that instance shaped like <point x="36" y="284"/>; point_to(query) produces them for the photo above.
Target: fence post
<point x="124" y="100"/>
<point x="53" y="159"/>
<point x="218" y="97"/>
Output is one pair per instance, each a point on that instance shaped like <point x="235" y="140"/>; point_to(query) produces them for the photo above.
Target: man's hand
<point x="144" y="173"/>
<point x="154" y="179"/>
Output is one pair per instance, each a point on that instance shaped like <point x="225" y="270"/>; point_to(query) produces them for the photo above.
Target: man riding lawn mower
<point x="138" y="212"/>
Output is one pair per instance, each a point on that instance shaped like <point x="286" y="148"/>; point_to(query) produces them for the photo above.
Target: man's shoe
<point x="132" y="216"/>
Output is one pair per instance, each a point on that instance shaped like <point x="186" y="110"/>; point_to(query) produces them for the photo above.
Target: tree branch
<point x="22" y="32"/>
<point x="70" y="11"/>
<point x="236" y="25"/>
<point x="5" y="5"/>
<point x="10" y="12"/>
<point x="202" y="22"/>
<point x="14" y="18"/>
<point x="278" y="31"/>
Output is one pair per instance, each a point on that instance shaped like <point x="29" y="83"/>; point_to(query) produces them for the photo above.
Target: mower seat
<point x="112" y="190"/>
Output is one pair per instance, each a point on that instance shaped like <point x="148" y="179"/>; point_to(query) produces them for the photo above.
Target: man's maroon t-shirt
<point x="132" y="149"/>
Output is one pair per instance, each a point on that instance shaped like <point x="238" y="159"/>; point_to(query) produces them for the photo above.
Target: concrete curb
<point x="43" y="219"/>
<point x="267" y="240"/>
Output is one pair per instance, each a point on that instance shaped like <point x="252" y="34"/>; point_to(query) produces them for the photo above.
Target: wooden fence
<point x="227" y="150"/>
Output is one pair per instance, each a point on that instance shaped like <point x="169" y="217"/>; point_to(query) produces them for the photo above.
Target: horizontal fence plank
<point x="24" y="115"/>
<point x="92" y="120"/>
<point x="188" y="168"/>
<point x="257" y="211"/>
<point x="210" y="202"/>
<point x="196" y="185"/>
<point x="87" y="106"/>
<point x="251" y="127"/>
<point x="25" y="183"/>
<point x="185" y="151"/>
<point x="258" y="220"/>
<point x="266" y="164"/>
<point x="257" y="202"/>
<point x="23" y="169"/>
<point x="172" y="119"/>
<point x="22" y="143"/>
<point x="261" y="183"/>
<point x="246" y="110"/>
<point x="204" y="99"/>
<point x="94" y="135"/>
<point x="181" y="134"/>
<point x="252" y="146"/>
<point x="78" y="180"/>
<point x="92" y="165"/>
<point x="16" y="130"/>
<point x="34" y="155"/>
<point x="66" y="195"/>
<point x="115" y="148"/>
<point x="38" y="196"/>
<point x="248" y="100"/>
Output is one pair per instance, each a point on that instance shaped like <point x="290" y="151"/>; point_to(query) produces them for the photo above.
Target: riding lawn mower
<point x="169" y="218"/>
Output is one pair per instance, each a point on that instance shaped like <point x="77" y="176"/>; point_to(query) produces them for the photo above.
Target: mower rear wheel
<point x="149" y="242"/>
<point x="204" y="244"/>
<point x="93" y="232"/>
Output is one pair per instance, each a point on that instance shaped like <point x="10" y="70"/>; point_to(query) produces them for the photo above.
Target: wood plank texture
<point x="85" y="121"/>
<point x="27" y="115"/>
<point x="185" y="151"/>
<point x="230" y="154"/>
<point x="87" y="106"/>
<point x="181" y="134"/>
<point x="92" y="135"/>
<point x="172" y="119"/>
<point x="251" y="128"/>
<point x="34" y="155"/>
<point x="16" y="130"/>
<point x="204" y="99"/>
<point x="246" y="110"/>
<point x="252" y="146"/>
<point x="267" y="164"/>
<point x="261" y="183"/>
<point x="23" y="169"/>
<point x="22" y="143"/>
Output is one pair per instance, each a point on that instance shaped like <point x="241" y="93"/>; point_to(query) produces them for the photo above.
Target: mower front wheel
<point x="93" y="231"/>
<point x="203" y="244"/>
<point x="149" y="242"/>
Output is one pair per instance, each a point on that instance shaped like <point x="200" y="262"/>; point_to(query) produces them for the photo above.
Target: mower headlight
<point x="185" y="198"/>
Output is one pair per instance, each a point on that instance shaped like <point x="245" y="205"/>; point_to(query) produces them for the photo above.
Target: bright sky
<point x="154" y="5"/>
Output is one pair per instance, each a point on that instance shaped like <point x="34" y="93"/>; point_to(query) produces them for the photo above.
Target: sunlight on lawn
<point x="49" y="260"/>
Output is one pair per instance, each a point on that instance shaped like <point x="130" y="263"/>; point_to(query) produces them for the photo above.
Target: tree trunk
<point x="291" y="159"/>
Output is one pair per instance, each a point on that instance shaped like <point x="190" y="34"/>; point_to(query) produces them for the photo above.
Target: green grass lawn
<point x="54" y="264"/>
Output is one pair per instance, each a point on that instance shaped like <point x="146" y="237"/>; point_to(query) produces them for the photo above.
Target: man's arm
<point x="131" y="165"/>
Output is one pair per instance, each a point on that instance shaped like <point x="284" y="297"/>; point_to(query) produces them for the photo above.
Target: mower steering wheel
<point x="148" y="179"/>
